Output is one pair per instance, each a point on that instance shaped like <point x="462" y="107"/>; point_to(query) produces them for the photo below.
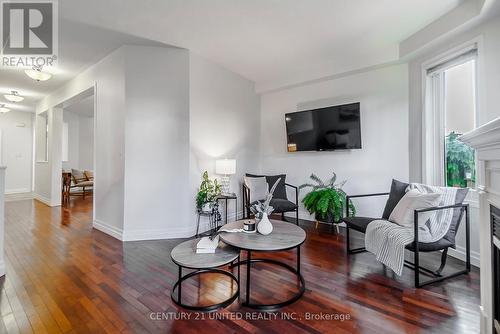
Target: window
<point x="459" y="118"/>
<point x="450" y="111"/>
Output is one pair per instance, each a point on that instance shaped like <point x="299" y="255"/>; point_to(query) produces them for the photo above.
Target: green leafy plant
<point x="460" y="160"/>
<point x="208" y="191"/>
<point x="327" y="200"/>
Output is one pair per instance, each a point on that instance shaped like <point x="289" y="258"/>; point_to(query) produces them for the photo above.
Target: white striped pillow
<point x="412" y="200"/>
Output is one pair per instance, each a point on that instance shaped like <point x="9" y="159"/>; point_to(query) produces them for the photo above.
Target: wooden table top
<point x="284" y="236"/>
<point x="184" y="254"/>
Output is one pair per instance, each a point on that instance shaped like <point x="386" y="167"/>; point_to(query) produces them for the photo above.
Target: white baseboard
<point x="17" y="191"/>
<point x="44" y="200"/>
<point x="11" y="197"/>
<point x="459" y="253"/>
<point x="108" y="229"/>
<point x="141" y="235"/>
<point x="158" y="234"/>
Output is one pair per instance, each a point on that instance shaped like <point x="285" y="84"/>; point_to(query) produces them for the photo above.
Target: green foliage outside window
<point x="460" y="163"/>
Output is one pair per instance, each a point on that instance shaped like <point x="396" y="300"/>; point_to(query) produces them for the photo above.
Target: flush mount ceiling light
<point x="37" y="74"/>
<point x="14" y="97"/>
<point x="3" y="109"/>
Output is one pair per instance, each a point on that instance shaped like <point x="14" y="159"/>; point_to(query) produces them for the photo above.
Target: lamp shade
<point x="225" y="167"/>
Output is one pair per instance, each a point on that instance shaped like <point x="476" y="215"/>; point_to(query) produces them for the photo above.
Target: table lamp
<point x="225" y="167"/>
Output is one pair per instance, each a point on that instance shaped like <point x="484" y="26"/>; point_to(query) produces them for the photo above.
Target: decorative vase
<point x="265" y="227"/>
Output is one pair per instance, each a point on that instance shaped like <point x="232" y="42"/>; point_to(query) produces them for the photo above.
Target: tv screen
<point x="324" y="129"/>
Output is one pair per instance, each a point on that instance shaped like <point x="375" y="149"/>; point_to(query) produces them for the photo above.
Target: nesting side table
<point x="185" y="256"/>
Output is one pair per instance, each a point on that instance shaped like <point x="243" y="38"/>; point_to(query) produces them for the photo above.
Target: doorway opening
<point x="77" y="150"/>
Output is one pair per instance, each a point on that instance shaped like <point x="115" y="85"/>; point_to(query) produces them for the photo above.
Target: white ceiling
<point x="273" y="43"/>
<point x="270" y="42"/>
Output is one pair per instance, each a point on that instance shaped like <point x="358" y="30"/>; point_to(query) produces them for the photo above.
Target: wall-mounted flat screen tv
<point x="324" y="129"/>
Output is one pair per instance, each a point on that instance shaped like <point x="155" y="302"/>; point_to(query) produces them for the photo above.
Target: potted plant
<point x="326" y="200"/>
<point x="207" y="193"/>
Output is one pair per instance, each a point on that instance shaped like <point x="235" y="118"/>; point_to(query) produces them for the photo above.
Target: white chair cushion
<point x="258" y="188"/>
<point x="412" y="200"/>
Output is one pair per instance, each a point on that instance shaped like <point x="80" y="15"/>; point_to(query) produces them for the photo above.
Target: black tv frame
<point x="326" y="150"/>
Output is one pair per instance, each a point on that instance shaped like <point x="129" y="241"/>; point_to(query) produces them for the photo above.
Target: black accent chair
<point x="360" y="224"/>
<point x="280" y="203"/>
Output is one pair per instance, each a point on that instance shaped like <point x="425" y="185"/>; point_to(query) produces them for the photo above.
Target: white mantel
<point x="486" y="141"/>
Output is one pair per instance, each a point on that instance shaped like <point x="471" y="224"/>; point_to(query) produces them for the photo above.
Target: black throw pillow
<point x="280" y="191"/>
<point x="398" y="190"/>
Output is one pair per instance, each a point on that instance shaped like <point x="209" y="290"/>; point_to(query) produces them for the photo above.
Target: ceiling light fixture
<point x="37" y="74"/>
<point x="14" y="97"/>
<point x="3" y="109"/>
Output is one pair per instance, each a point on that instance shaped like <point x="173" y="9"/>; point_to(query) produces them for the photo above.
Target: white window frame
<point x="433" y="115"/>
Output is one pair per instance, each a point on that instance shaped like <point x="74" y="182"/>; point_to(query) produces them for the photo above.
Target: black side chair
<point x="360" y="224"/>
<point x="280" y="201"/>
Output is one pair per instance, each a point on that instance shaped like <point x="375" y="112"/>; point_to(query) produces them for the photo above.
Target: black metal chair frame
<point x="415" y="266"/>
<point x="246" y="203"/>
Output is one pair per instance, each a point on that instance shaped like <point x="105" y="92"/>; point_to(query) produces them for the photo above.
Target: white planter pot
<point x="265" y="227"/>
<point x="207" y="207"/>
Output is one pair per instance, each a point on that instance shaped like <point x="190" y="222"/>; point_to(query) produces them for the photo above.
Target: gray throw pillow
<point x="398" y="190"/>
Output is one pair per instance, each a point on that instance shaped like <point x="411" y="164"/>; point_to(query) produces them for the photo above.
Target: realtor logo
<point x="29" y="29"/>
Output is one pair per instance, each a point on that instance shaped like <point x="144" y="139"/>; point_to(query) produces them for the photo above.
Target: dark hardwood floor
<point x="63" y="276"/>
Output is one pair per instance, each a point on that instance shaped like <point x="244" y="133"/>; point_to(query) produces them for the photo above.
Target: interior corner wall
<point x="489" y="85"/>
<point x="383" y="94"/>
<point x="16" y="129"/>
<point x="48" y="173"/>
<point x="156" y="144"/>
<point x="224" y="123"/>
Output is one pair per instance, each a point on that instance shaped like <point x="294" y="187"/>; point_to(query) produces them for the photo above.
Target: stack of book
<point x="207" y="246"/>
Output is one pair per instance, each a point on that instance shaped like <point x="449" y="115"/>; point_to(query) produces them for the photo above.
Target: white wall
<point x="16" y="128"/>
<point x="80" y="141"/>
<point x="73" y="121"/>
<point x="48" y="173"/>
<point x="156" y="144"/>
<point x="383" y="94"/>
<point x="86" y="143"/>
<point x="224" y="123"/>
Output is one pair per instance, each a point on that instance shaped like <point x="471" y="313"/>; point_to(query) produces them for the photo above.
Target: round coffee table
<point x="185" y="256"/>
<point x="285" y="236"/>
